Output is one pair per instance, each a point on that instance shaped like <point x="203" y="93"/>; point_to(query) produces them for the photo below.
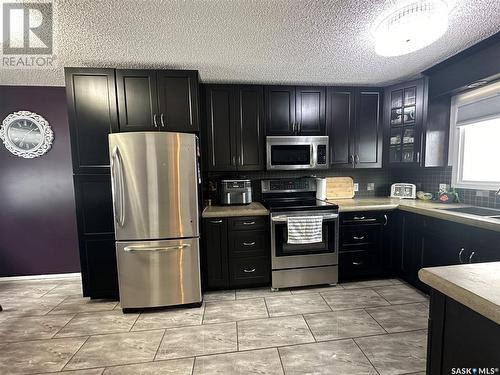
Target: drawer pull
<point x="359" y="218"/>
<point x="249" y="243"/>
<point x="357" y="263"/>
<point x="248" y="222"/>
<point x="215" y="221"/>
<point x="358" y="237"/>
<point x="249" y="271"/>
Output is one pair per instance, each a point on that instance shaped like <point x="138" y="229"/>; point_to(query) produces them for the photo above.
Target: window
<point x="475" y="139"/>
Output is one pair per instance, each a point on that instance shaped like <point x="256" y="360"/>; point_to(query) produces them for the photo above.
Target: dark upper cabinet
<point x="178" y="100"/>
<point x="92" y="116"/>
<point x="310" y="110"/>
<point x="234" y="129"/>
<point x="137" y="100"/>
<point x="295" y="110"/>
<point x="340" y="120"/>
<point x="368" y="138"/>
<point x="220" y="127"/>
<point x="164" y="100"/>
<point x="405" y="111"/>
<point x="353" y="122"/>
<point x="280" y="110"/>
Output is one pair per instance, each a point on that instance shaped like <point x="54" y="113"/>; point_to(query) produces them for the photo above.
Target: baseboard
<point x="42" y="277"/>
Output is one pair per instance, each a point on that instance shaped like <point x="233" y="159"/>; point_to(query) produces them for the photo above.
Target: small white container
<point x="321" y="188"/>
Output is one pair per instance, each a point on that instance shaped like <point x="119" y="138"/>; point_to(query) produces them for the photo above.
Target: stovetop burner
<point x="296" y="194"/>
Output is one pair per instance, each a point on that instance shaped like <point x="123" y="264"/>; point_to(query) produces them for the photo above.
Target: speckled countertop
<point x="476" y="286"/>
<point x="252" y="209"/>
<point x="432" y="209"/>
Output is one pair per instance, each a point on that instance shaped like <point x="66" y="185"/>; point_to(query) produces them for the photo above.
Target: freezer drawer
<point x="158" y="273"/>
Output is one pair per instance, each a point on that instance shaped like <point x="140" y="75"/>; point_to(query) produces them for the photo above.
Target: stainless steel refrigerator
<point x="155" y="195"/>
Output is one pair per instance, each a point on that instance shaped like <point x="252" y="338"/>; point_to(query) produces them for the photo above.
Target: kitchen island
<point x="464" y="319"/>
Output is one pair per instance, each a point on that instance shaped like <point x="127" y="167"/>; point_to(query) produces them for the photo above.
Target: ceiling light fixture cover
<point x="411" y="26"/>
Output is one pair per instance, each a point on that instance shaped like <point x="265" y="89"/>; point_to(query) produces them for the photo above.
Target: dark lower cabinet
<point x="423" y="241"/>
<point x="236" y="252"/>
<point x="215" y="257"/>
<point x="460" y="338"/>
<point x="94" y="209"/>
<point x="365" y="245"/>
<point x="99" y="271"/>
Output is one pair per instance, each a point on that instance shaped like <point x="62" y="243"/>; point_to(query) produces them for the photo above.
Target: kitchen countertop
<point x="476" y="286"/>
<point x="252" y="209"/>
<point x="432" y="209"/>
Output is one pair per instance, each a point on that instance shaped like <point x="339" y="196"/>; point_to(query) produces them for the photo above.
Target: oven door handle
<point x="284" y="219"/>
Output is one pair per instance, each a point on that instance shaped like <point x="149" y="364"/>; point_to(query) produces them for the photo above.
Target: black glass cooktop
<point x="283" y="204"/>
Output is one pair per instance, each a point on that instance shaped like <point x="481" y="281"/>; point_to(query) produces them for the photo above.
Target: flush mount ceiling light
<point x="411" y="26"/>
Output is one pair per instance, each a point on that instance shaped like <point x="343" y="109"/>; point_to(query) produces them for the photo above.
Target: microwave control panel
<point x="321" y="153"/>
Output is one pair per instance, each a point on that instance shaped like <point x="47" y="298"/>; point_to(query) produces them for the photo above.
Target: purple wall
<point x="37" y="206"/>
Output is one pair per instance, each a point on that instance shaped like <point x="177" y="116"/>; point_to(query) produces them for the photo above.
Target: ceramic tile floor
<point x="370" y="327"/>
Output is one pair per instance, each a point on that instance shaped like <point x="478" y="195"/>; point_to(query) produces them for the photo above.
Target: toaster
<point x="403" y="191"/>
<point x="236" y="191"/>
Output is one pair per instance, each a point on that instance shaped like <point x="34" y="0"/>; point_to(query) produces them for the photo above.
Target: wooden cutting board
<point x="339" y="188"/>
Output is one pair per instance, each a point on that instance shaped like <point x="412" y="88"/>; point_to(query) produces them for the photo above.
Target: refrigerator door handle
<point x="155" y="248"/>
<point x="117" y="179"/>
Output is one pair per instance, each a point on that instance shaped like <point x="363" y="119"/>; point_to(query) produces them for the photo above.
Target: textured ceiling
<point x="280" y="41"/>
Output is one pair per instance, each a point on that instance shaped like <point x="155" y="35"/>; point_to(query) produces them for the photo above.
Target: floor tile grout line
<point x="309" y="328"/>
<point x="281" y="361"/>
<point x="237" y="338"/>
<point x="376" y="321"/>
<point x="60" y="329"/>
<point x="368" y="359"/>
<point x="159" y="345"/>
<point x="48" y="291"/>
<point x="135" y="321"/>
<point x="193" y="365"/>
<point x="75" y="353"/>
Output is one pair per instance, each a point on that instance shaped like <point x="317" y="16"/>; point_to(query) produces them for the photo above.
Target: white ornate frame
<point x="43" y="125"/>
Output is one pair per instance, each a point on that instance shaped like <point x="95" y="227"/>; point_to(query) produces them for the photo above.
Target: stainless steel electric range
<point x="300" y="264"/>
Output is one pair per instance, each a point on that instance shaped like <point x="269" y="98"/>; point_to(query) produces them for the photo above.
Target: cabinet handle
<point x="155" y="123"/>
<point x="418" y="156"/>
<point x="358" y="237"/>
<point x="234" y="160"/>
<point x="359" y="218"/>
<point x="357" y="263"/>
<point x="356" y="159"/>
<point x="386" y="220"/>
<point x="460" y="255"/>
<point x="239" y="159"/>
<point x="248" y="222"/>
<point x="471" y="256"/>
<point x="249" y="271"/>
<point x="351" y="160"/>
<point x="216" y="221"/>
<point x="161" y="121"/>
<point x="249" y="243"/>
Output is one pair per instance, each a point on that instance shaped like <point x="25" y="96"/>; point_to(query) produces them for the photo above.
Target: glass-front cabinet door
<point x="404" y="114"/>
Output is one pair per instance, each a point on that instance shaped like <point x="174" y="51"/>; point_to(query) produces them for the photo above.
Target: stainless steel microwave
<point x="297" y="152"/>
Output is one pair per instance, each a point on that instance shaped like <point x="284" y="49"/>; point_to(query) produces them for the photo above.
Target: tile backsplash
<point x="426" y="179"/>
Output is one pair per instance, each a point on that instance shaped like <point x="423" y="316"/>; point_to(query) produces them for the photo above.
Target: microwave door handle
<point x="314" y="159"/>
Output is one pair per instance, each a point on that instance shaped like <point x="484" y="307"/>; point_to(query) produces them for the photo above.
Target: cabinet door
<point x="137" y="100"/>
<point x="368" y="137"/>
<point x="250" y="128"/>
<point x="178" y="100"/>
<point x="216" y="255"/>
<point x="310" y="110"/>
<point x="280" y="110"/>
<point x="339" y="120"/>
<point x="94" y="204"/>
<point x="482" y="245"/>
<point x="92" y="116"/>
<point x="99" y="270"/>
<point x="221" y="129"/>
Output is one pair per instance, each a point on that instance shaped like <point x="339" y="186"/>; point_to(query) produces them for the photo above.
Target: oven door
<point x="285" y="255"/>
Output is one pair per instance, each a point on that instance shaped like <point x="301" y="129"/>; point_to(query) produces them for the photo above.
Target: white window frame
<point x="457" y="139"/>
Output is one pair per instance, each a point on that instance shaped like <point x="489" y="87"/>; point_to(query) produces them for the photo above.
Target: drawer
<point x="365" y="217"/>
<point x="251" y="271"/>
<point x="358" y="264"/>
<point x="249" y="223"/>
<point x="249" y="243"/>
<point x="360" y="236"/>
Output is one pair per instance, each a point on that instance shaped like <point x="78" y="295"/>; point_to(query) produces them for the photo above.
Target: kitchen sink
<point x="480" y="211"/>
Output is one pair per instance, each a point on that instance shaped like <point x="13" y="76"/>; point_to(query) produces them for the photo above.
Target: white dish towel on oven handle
<point x="305" y="229"/>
